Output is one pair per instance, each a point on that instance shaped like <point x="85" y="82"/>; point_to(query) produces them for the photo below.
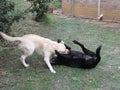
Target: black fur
<point x="77" y="59"/>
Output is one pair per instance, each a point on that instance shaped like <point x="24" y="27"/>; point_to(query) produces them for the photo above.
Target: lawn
<point x="106" y="76"/>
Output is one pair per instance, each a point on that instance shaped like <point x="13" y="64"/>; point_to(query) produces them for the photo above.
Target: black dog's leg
<point x="67" y="47"/>
<point x="85" y="50"/>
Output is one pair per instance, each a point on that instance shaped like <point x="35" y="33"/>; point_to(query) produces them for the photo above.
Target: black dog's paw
<point x="75" y="41"/>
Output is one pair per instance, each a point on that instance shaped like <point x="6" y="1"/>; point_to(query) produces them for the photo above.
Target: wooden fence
<point x="92" y="8"/>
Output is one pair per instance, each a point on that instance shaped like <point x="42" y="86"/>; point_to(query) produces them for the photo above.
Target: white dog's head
<point x="61" y="48"/>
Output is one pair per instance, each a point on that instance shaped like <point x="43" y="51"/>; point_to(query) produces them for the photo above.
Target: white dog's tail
<point x="9" y="38"/>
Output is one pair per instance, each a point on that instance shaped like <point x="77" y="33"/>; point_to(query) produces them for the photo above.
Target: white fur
<point x="30" y="43"/>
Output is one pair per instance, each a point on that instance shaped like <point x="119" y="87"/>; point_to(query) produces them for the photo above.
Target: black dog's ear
<point x="59" y="40"/>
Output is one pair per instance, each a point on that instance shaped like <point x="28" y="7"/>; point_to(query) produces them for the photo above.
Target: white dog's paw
<point x="26" y="65"/>
<point x="53" y="71"/>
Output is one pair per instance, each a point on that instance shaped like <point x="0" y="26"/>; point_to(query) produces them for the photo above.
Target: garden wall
<point x="89" y="8"/>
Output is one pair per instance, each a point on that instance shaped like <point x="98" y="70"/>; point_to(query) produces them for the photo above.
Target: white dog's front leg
<point x="47" y="61"/>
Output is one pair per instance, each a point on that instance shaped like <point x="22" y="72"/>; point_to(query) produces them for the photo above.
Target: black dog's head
<point x="60" y="59"/>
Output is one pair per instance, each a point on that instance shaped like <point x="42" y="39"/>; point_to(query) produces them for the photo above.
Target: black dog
<point x="77" y="59"/>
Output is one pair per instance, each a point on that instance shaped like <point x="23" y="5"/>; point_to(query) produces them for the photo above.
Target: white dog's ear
<point x="59" y="40"/>
<point x="62" y="42"/>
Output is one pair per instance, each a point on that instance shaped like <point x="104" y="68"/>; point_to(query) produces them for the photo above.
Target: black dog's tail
<point x="98" y="52"/>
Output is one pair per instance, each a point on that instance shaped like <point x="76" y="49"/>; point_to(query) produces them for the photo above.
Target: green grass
<point x="106" y="76"/>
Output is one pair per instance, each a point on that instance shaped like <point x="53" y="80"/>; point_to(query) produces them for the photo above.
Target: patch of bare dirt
<point x="106" y="23"/>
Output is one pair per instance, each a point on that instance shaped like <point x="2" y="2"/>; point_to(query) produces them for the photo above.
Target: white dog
<point x="30" y="43"/>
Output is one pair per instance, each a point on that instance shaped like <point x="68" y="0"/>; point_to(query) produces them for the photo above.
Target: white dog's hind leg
<point x="22" y="59"/>
<point x="25" y="55"/>
<point x="27" y="51"/>
<point x="47" y="61"/>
